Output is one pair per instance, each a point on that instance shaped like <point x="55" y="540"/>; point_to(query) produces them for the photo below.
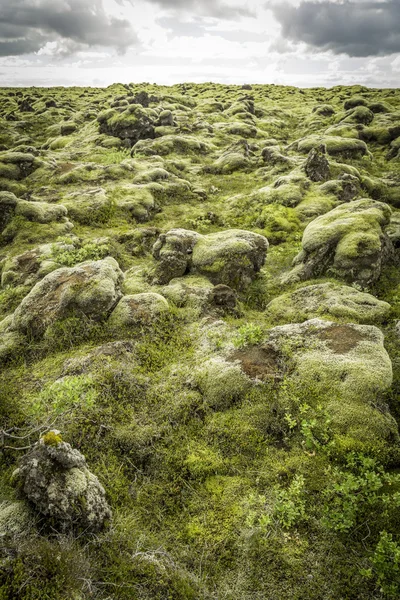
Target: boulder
<point x="317" y="165"/>
<point x="230" y="257"/>
<point x="344" y="368"/>
<point x="173" y="252"/>
<point x="54" y="477"/>
<point x="134" y="124"/>
<point x="330" y="300"/>
<point x="349" y="242"/>
<point x="139" y="309"/>
<point x="335" y="145"/>
<point x="91" y="288"/>
<point x="40" y="212"/>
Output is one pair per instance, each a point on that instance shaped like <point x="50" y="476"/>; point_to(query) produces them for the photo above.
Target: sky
<point x="306" y="43"/>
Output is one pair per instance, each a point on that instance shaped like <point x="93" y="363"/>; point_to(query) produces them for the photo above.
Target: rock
<point x="139" y="309"/>
<point x="330" y="300"/>
<point x="32" y="265"/>
<point x="221" y="383"/>
<point x="348" y="242"/>
<point x="346" y="367"/>
<point x="173" y="252"/>
<point x="11" y="342"/>
<point x="18" y="164"/>
<point x="224" y="299"/>
<point x="91" y="288"/>
<point x="55" y="479"/>
<point x="89" y="206"/>
<point x="191" y="290"/>
<point x="230" y="257"/>
<point x="8" y="203"/>
<point x="325" y="110"/>
<point x="40" y="212"/>
<point x="134" y="124"/>
<point x="346" y="187"/>
<point x="15" y="519"/>
<point x="335" y="145"/>
<point x="317" y="165"/>
<point x="272" y="155"/>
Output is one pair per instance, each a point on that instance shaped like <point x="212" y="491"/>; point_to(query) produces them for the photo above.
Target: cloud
<point x="206" y="8"/>
<point x="26" y="26"/>
<point x="356" y="28"/>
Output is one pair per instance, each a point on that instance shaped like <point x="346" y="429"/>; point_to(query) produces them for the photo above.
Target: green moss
<point x="52" y="438"/>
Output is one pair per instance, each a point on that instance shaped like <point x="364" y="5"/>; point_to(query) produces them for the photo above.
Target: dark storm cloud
<point x="26" y="25"/>
<point x="205" y="8"/>
<point x="356" y="28"/>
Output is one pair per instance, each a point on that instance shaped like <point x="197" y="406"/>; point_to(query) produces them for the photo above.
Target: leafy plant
<point x="247" y="335"/>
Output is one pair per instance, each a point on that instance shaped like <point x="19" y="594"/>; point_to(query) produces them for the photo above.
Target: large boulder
<point x="173" y="252"/>
<point x="54" y="477"/>
<point x="343" y="369"/>
<point x="349" y="242"/>
<point x="330" y="300"/>
<point x="335" y="145"/>
<point x="91" y="288"/>
<point x="232" y="257"/>
<point x="134" y="124"/>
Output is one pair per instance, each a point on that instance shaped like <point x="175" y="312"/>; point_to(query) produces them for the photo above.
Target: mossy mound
<point x="346" y="147"/>
<point x="346" y="366"/>
<point x="91" y="289"/>
<point x="328" y="300"/>
<point x="348" y="242"/>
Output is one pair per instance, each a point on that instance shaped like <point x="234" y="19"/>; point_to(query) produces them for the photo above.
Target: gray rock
<point x="55" y="479"/>
<point x="317" y="165"/>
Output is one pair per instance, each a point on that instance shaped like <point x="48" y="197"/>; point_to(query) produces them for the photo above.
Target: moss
<point x="346" y="147"/>
<point x="51" y="438"/>
<point x="328" y="300"/>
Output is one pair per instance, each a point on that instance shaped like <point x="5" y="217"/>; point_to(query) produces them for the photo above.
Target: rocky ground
<point x="200" y="349"/>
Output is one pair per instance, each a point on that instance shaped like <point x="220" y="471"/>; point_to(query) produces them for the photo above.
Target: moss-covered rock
<point x="139" y="309"/>
<point x="317" y="165"/>
<point x="221" y="383"/>
<point x="91" y="289"/>
<point x="40" y="212"/>
<point x="328" y="300"/>
<point x="134" y="124"/>
<point x="8" y="204"/>
<point x="232" y="257"/>
<point x="89" y="206"/>
<point x="55" y="479"/>
<point x="15" y="519"/>
<point x="342" y="146"/>
<point x="348" y="242"/>
<point x="27" y="268"/>
<point x="345" y="366"/>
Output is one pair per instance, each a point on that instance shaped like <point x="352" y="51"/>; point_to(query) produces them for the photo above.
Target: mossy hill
<point x="200" y="322"/>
